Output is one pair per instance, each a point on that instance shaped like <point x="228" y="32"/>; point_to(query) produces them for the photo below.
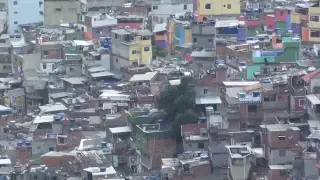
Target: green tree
<point x="159" y="52"/>
<point x="178" y="103"/>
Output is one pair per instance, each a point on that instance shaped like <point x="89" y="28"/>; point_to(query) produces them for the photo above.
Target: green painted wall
<point x="252" y="69"/>
<point x="281" y="25"/>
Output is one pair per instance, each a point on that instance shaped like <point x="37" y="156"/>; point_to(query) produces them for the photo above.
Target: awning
<point x="313" y="99"/>
<point x="208" y="100"/>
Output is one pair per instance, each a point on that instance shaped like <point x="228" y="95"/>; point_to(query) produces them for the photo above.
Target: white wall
<point x="49" y="67"/>
<point x="164" y="10"/>
<point x="42" y="147"/>
<point x="24" y="12"/>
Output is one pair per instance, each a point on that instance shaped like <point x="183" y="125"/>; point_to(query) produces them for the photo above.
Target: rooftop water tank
<point x="242" y="94"/>
<point x="255" y="94"/>
<point x="102" y="169"/>
<point x="104" y="144"/>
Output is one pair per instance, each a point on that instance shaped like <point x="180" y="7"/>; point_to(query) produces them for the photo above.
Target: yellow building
<point x="313" y="24"/>
<point x="207" y="8"/>
<point x="131" y="47"/>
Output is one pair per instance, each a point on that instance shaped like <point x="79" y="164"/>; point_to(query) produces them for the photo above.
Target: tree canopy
<point x="159" y="52"/>
<point x="178" y="102"/>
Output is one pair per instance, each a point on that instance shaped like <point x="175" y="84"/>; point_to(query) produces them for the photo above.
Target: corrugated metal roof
<point x="308" y="77"/>
<point x="313" y="99"/>
<point x="123" y="129"/>
<point x="208" y="100"/>
<point x="43" y="119"/>
<point x="143" y="77"/>
<point x="253" y="87"/>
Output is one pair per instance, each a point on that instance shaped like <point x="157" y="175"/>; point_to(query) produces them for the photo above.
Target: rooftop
<point x="75" y="80"/>
<point x="117" y="130"/>
<point x="148" y="76"/>
<point x="239" y="83"/>
<point x="208" y="100"/>
<point x="278" y="127"/>
<point x="151" y="128"/>
<point x="43" y="119"/>
<point x="228" y="23"/>
<point x="49" y="108"/>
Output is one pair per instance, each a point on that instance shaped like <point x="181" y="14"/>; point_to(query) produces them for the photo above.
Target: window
<point x="195" y="40"/>
<point x="40" y="3"/>
<point x="41" y="12"/>
<point x="281" y="13"/>
<point x="117" y="60"/>
<point x="44" y="66"/>
<point x="190" y="145"/>
<point x="314" y="34"/>
<point x="200" y="145"/>
<point x="301" y="102"/>
<point x="281" y="138"/>
<point x="314" y="18"/>
<point x="15" y="12"/>
<point x="116" y="36"/>
<point x="134" y="52"/>
<point x="16" y="31"/>
<point x="282" y="152"/>
<point x="15" y="22"/>
<point x="51" y="148"/>
<point x="58" y="9"/>
<point x="252" y="108"/>
<point x="146" y="49"/>
<point x="229" y="6"/>
<point x="185" y="7"/>
<point x="62" y="140"/>
<point x="15" y="2"/>
<point x="210" y="40"/>
<point x="45" y="53"/>
<point x="205" y="91"/>
<point x="208" y="6"/>
<point x="269" y="98"/>
<point x="71" y="69"/>
<point x="72" y="9"/>
<point x="154" y="7"/>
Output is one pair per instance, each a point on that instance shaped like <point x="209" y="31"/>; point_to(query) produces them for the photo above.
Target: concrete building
<point x="162" y="10"/>
<point x="189" y="165"/>
<point x="57" y="12"/>
<point x="312" y="89"/>
<point x="195" y="137"/>
<point x="131" y="47"/>
<point x="97" y="25"/>
<point x="240" y="158"/>
<point x="207" y="10"/>
<point x="24" y="12"/>
<point x="153" y="142"/>
<point x="278" y="140"/>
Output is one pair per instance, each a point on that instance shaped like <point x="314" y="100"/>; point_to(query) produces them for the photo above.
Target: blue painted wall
<point x="24" y="12"/>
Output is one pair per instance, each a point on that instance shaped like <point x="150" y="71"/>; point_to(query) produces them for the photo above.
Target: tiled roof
<point x="252" y="87"/>
<point x="308" y="77"/>
<point x="195" y="128"/>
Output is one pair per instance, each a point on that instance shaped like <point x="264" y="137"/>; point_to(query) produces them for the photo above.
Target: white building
<point x="163" y="9"/>
<point x="24" y="12"/>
